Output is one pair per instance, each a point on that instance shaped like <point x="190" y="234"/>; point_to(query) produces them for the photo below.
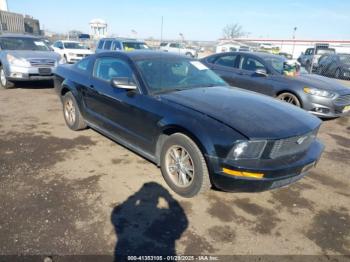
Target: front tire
<point x="4" y="83"/>
<point x="289" y="98"/>
<point x="71" y="113"/>
<point x="183" y="166"/>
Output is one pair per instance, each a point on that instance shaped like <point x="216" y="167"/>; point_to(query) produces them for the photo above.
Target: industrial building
<point x="17" y="23"/>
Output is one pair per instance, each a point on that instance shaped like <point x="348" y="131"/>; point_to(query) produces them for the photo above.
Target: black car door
<point x="125" y="114"/>
<point x="226" y="67"/>
<point x="249" y="79"/>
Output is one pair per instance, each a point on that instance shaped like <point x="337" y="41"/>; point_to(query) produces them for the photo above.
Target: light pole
<point x="294" y="33"/>
<point x="161" y="30"/>
<point x="182" y="37"/>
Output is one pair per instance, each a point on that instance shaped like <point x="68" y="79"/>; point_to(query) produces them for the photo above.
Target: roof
<point x="18" y="35"/>
<point x="258" y="54"/>
<point x="123" y="39"/>
<point x="147" y="54"/>
<point x="69" y="41"/>
<point x="98" y="21"/>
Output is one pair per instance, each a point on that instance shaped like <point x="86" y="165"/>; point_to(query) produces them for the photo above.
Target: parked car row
<point x="183" y="115"/>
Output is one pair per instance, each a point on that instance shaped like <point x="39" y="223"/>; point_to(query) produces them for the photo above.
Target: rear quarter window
<point x="83" y="65"/>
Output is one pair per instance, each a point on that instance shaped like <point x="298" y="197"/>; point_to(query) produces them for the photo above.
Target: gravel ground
<point x="65" y="192"/>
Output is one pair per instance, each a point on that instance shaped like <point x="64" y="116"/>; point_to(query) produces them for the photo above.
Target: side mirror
<point x="60" y="47"/>
<point x="261" y="72"/>
<point x="123" y="83"/>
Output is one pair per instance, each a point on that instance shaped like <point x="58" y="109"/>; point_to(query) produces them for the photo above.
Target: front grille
<point x="293" y="145"/>
<point x="342" y="100"/>
<point x="42" y="62"/>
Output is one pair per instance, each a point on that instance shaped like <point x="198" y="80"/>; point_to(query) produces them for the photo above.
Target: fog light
<point x="16" y="75"/>
<point x="322" y="110"/>
<point x="242" y="174"/>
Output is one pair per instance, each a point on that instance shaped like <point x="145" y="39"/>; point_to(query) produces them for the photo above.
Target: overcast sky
<point x="196" y="19"/>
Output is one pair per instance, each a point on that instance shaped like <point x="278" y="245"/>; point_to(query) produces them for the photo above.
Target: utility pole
<point x="161" y="30"/>
<point x="294" y="33"/>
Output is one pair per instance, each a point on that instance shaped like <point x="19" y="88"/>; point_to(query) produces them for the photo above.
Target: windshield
<point x="129" y="46"/>
<point x="278" y="63"/>
<point x="74" y="45"/>
<point x="166" y="75"/>
<point x="283" y="66"/>
<point x="23" y="43"/>
<point x="345" y="59"/>
<point x="325" y="51"/>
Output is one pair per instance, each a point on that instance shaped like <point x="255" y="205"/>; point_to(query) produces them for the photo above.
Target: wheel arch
<point x="173" y="129"/>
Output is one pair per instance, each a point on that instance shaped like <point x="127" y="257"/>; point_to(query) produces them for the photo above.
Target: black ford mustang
<point x="180" y="115"/>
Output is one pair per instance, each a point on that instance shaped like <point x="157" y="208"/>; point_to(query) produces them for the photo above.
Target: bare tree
<point x="233" y="31"/>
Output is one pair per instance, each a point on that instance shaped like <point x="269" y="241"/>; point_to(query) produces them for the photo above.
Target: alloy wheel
<point x="289" y="98"/>
<point x="179" y="166"/>
<point x="3" y="77"/>
<point x="69" y="111"/>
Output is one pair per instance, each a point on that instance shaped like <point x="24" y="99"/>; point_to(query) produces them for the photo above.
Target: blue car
<point x="268" y="74"/>
<point x="175" y="112"/>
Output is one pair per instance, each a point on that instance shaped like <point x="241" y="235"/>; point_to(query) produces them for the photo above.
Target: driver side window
<point x="107" y="68"/>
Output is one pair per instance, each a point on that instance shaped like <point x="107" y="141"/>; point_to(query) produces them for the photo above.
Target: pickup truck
<point x="310" y="58"/>
<point x="178" y="49"/>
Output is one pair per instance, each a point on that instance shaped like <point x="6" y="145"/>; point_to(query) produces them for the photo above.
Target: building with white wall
<point x="3" y="5"/>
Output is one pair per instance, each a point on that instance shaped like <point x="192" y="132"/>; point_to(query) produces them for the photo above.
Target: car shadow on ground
<point x="34" y="85"/>
<point x="148" y="223"/>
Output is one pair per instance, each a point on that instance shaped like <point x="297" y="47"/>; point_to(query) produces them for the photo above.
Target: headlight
<point x="248" y="150"/>
<point x="17" y="61"/>
<point x="318" y="92"/>
<point x="62" y="61"/>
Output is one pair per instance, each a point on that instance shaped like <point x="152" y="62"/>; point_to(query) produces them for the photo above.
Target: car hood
<point x="79" y="51"/>
<point x="253" y="115"/>
<point x="317" y="81"/>
<point x="34" y="54"/>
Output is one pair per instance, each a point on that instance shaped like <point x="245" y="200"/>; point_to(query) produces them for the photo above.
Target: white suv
<point x="71" y="51"/>
<point x="179" y="49"/>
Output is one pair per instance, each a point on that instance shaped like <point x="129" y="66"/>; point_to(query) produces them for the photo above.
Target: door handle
<point x="92" y="86"/>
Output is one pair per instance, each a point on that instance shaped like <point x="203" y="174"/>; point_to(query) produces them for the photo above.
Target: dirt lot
<point x="65" y="192"/>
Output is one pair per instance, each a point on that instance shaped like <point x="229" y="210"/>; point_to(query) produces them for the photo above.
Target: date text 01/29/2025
<point x="172" y="258"/>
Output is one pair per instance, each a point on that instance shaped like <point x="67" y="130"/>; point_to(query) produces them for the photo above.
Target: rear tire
<point x="183" y="166"/>
<point x="71" y="113"/>
<point x="4" y="83"/>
